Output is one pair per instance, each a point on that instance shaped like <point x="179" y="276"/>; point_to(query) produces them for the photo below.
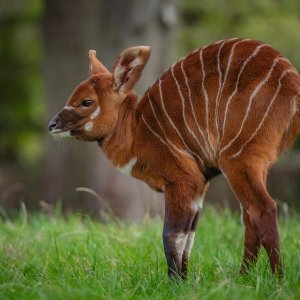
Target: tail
<point x="293" y="129"/>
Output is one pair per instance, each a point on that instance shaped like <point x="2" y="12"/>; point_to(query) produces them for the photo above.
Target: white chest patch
<point x="95" y="113"/>
<point x="198" y="204"/>
<point x="128" y="167"/>
<point x="88" y="126"/>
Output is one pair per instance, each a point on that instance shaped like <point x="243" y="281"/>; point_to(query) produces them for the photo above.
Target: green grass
<point x="54" y="258"/>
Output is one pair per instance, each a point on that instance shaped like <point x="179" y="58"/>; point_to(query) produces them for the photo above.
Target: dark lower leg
<point x="186" y="253"/>
<point x="189" y="244"/>
<point x="174" y="243"/>
<point x="181" y="216"/>
<point x="251" y="244"/>
<point x="267" y="229"/>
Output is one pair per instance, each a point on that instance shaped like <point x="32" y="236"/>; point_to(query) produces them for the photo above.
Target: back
<point x="224" y="99"/>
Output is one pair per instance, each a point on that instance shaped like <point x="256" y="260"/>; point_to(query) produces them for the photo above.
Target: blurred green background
<point x="43" y="56"/>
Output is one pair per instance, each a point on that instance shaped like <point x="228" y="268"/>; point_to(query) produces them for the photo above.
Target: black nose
<point x="52" y="125"/>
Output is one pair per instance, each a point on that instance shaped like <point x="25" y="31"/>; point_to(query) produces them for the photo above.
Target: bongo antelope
<point x="231" y="107"/>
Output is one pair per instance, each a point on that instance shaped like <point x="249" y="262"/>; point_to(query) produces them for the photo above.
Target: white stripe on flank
<point x="183" y="107"/>
<point x="218" y="42"/>
<point x="166" y="138"/>
<point x="256" y="90"/>
<point x="221" y="85"/>
<point x="193" y="111"/>
<point x="226" y="40"/>
<point x="219" y="89"/>
<point x="236" y="85"/>
<point x="265" y="114"/>
<point x="161" y="140"/>
<point x="293" y="69"/>
<point x="206" y="102"/>
<point x="172" y="123"/>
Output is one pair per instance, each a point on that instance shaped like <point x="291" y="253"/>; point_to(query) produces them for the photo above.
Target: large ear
<point x="129" y="67"/>
<point x="95" y="64"/>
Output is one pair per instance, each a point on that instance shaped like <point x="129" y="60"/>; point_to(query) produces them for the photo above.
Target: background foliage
<point x="22" y="116"/>
<point x="24" y="113"/>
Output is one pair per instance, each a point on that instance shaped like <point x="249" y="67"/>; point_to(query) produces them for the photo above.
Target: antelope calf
<point x="230" y="107"/>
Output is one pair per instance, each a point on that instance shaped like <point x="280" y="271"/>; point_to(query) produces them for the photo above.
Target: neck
<point x="118" y="145"/>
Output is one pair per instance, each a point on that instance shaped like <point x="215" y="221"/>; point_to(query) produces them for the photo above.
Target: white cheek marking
<point x="95" y="113"/>
<point x="128" y="167"/>
<point x="88" y="126"/>
<point x="69" y="107"/>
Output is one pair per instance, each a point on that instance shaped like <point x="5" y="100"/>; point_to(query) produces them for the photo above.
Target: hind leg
<point x="251" y="243"/>
<point x="247" y="179"/>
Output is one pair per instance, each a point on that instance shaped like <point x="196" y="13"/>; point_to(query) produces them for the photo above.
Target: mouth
<point x="61" y="133"/>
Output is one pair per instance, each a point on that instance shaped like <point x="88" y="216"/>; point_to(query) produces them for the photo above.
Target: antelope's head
<point x="92" y="110"/>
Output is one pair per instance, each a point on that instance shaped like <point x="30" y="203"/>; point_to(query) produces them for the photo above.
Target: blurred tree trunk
<point x="71" y="28"/>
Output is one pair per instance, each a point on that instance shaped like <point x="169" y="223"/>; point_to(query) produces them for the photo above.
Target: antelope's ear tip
<point x="92" y="53"/>
<point x="137" y="50"/>
<point x="146" y="50"/>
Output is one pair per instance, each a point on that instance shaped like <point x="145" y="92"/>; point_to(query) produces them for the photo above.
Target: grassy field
<point x="55" y="258"/>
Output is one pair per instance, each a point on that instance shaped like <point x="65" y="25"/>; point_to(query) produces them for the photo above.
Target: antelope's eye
<point x="87" y="102"/>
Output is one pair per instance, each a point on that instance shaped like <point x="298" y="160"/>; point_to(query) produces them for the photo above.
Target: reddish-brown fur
<point x="229" y="107"/>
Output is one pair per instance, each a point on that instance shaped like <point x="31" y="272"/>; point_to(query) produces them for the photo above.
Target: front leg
<point x="189" y="245"/>
<point x="181" y="216"/>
